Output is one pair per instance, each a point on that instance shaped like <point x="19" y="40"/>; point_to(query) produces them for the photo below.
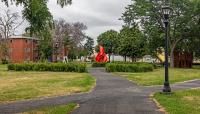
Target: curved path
<point x="112" y="95"/>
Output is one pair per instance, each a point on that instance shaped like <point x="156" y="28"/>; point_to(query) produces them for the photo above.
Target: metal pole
<point x="166" y="83"/>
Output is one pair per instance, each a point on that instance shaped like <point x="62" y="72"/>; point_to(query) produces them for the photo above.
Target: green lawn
<point x="89" y="65"/>
<point x="180" y="102"/>
<point x="27" y="85"/>
<point x="3" y="67"/>
<point x="196" y="66"/>
<point x="63" y="109"/>
<point x="157" y="76"/>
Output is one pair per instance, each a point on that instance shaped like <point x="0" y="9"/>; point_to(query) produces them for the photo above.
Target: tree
<point x="77" y="33"/>
<point x="74" y="32"/>
<point x="72" y="54"/>
<point x="45" y="46"/>
<point x="62" y="3"/>
<point x="89" y="46"/>
<point x="37" y="14"/>
<point x="61" y="34"/>
<point x="8" y="25"/>
<point x="40" y="20"/>
<point x="109" y="40"/>
<point x="132" y="43"/>
<point x="68" y="35"/>
<point x="148" y="15"/>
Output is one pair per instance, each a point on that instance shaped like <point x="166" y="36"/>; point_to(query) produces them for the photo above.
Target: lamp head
<point x="166" y="11"/>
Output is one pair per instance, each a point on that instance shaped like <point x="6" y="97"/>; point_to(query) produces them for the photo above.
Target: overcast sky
<point x="98" y="15"/>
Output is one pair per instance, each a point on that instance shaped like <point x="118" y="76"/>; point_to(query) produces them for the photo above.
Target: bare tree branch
<point x="8" y="24"/>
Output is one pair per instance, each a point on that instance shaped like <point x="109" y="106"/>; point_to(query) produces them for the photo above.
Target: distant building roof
<point x="23" y="37"/>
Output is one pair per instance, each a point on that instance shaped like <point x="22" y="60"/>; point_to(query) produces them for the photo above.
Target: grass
<point x="62" y="109"/>
<point x="89" y="65"/>
<point x="157" y="76"/>
<point x="27" y="85"/>
<point x="180" y="102"/>
<point x="196" y="66"/>
<point x="3" y="67"/>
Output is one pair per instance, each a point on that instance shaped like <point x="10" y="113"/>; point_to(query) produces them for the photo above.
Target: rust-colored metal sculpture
<point x="101" y="56"/>
<point x="183" y="59"/>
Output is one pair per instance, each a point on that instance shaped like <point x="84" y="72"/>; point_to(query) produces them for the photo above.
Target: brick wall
<point x="22" y="50"/>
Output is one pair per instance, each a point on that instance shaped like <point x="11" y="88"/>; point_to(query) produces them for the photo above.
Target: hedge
<point x="55" y="67"/>
<point x="97" y="64"/>
<point x="3" y="61"/>
<point x="129" y="67"/>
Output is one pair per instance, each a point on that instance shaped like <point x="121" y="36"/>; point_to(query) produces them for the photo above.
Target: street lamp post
<point x="166" y="10"/>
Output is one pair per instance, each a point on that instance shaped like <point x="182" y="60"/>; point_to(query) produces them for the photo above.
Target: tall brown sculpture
<point x="183" y="59"/>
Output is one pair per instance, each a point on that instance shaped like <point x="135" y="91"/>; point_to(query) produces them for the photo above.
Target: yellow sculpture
<point x="161" y="57"/>
<point x="161" y="54"/>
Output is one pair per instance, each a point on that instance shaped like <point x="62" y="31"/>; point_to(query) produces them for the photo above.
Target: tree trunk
<point x="172" y="58"/>
<point x="125" y="58"/>
<point x="133" y="59"/>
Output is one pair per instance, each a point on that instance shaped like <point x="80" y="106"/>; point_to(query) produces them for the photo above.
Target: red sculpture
<point x="101" y="56"/>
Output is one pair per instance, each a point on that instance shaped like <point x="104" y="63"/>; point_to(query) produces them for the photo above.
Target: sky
<point x="98" y="15"/>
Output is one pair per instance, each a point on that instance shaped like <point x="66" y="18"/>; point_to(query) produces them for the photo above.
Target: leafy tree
<point x="72" y="54"/>
<point x="109" y="40"/>
<point x="45" y="46"/>
<point x="147" y="13"/>
<point x="40" y="19"/>
<point x="62" y="3"/>
<point x="89" y="46"/>
<point x="96" y="48"/>
<point x="132" y="43"/>
<point x="37" y="14"/>
<point x="81" y="52"/>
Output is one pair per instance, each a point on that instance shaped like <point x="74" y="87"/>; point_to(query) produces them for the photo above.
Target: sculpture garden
<point x="148" y="61"/>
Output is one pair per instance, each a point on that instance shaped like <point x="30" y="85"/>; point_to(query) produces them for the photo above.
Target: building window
<point x="10" y="41"/>
<point x="27" y="50"/>
<point x="26" y="41"/>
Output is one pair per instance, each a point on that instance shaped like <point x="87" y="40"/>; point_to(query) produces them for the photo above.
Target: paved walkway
<point x="112" y="95"/>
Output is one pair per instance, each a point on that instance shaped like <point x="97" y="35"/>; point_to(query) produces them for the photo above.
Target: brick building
<point x="60" y="53"/>
<point x="22" y="49"/>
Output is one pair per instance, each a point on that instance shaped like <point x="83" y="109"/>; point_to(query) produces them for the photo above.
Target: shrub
<point x="158" y="65"/>
<point x="56" y="67"/>
<point x="11" y="67"/>
<point x="129" y="67"/>
<point x="97" y="64"/>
